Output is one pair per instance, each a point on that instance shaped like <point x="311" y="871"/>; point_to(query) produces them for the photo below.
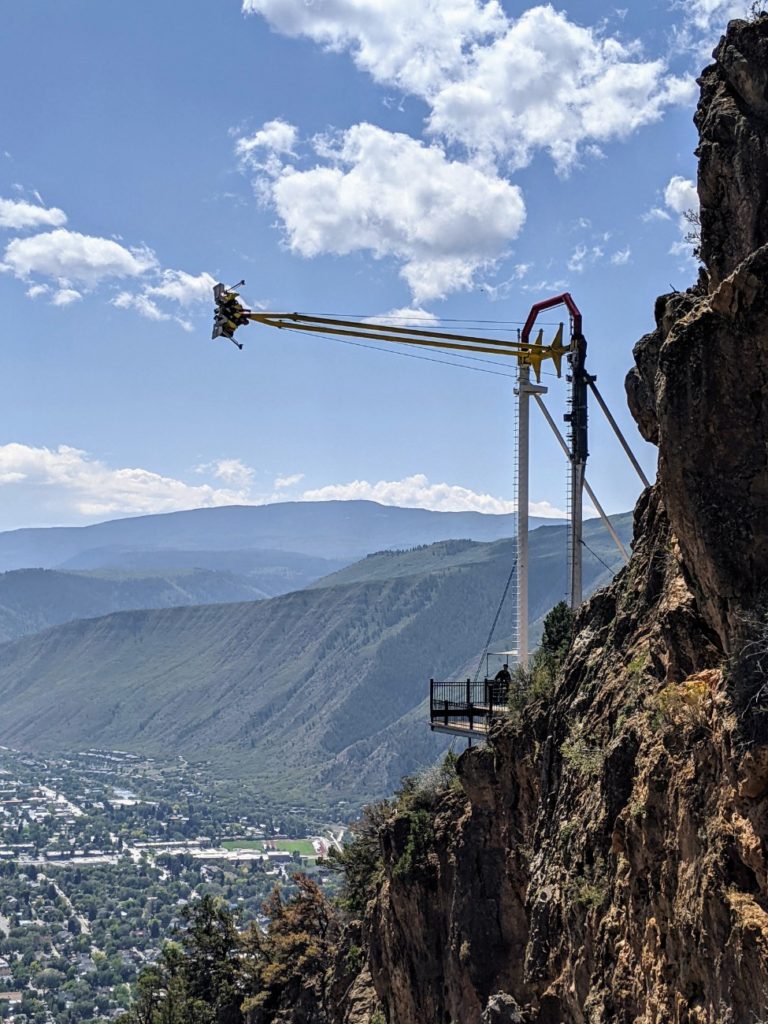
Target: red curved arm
<point x="557" y="300"/>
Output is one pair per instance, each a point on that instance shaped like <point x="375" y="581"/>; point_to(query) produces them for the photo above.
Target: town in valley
<point x="101" y="851"/>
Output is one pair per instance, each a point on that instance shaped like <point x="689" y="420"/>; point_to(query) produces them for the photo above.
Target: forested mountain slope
<point x="315" y="693"/>
<point x="32" y="600"/>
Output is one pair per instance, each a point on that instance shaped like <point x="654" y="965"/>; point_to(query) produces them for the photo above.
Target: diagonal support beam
<point x="598" y="507"/>
<point x="617" y="431"/>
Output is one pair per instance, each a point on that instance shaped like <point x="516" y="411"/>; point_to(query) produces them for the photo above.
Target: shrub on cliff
<point x="536" y="680"/>
<point x="559" y="626"/>
<point x="360" y="860"/>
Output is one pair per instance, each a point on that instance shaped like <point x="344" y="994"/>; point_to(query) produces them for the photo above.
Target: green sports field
<point x="303" y="846"/>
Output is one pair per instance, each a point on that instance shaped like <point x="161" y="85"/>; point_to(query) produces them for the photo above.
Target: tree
<point x="558" y="630"/>
<point x="289" y="967"/>
<point x="211" y="943"/>
<point x="50" y="979"/>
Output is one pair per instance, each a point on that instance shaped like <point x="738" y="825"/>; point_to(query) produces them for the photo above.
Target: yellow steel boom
<point x="531" y="353"/>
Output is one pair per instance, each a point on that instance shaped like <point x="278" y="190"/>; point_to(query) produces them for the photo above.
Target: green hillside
<point x="32" y="600"/>
<point x="268" y="572"/>
<point x="316" y="694"/>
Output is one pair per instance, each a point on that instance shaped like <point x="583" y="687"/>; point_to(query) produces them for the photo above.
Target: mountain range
<point x="318" y="694"/>
<point x="341" y="530"/>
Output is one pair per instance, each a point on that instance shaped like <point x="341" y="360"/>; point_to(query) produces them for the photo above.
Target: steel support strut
<point x="617" y="431"/>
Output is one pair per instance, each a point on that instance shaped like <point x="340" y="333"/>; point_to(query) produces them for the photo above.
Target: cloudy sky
<point x="446" y="160"/>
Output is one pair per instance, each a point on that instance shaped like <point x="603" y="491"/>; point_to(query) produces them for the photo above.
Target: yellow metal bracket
<point x="539" y="352"/>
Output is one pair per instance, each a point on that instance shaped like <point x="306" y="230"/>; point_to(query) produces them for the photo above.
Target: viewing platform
<point x="466" y="708"/>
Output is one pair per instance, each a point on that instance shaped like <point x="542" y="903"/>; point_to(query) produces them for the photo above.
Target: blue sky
<point x="455" y="159"/>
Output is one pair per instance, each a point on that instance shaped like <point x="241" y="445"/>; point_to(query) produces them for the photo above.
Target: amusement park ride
<point x="465" y="709"/>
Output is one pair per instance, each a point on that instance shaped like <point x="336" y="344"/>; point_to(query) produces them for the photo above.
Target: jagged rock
<point x="700" y="385"/>
<point x="732" y="119"/>
<point x="502" y="1009"/>
<point x="712" y="410"/>
<point x="641" y="381"/>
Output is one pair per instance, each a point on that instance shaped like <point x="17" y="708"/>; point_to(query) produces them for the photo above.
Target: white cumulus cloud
<point x="68" y="255"/>
<point x="186" y="289"/>
<point x="18" y="214"/>
<point x="550" y="84"/>
<point x="142" y="304"/>
<point x="35" y="291"/>
<point x="682" y="199"/>
<point x="65" y="297"/>
<point x="71" y="264"/>
<point x="81" y="485"/>
<point x="67" y="484"/>
<point x="405" y="317"/>
<point x="284" y="482"/>
<point x="276" y="136"/>
<point x="173" y="286"/>
<point x="713" y="15"/>
<point x="655" y="213"/>
<point x="414" y="46"/>
<point x="418" y="492"/>
<point x="680" y="195"/>
<point x="230" y="471"/>
<point x="498" y="85"/>
<point x="386" y="193"/>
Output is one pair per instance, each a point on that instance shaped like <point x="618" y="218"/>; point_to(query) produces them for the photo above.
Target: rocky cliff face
<point x="605" y="860"/>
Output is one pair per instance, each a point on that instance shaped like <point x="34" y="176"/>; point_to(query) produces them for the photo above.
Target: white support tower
<point x="576" y="589"/>
<point x="524" y="390"/>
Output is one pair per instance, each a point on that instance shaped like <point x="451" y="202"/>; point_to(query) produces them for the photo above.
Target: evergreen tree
<point x="558" y="630"/>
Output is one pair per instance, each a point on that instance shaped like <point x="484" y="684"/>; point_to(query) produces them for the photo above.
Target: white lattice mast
<point x="525" y="389"/>
<point x="523" y="455"/>
<point x="515" y="584"/>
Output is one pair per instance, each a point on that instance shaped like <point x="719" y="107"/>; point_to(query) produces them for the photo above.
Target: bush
<point x="360" y="861"/>
<point x="580" y="755"/>
<point x="537" y="680"/>
<point x="420" y="840"/>
<point x="591" y="888"/>
<point x="533" y="682"/>
<point x="424" y="789"/>
<point x="684" y="703"/>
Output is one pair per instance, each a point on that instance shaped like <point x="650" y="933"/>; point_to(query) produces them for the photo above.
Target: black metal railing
<point x="466" y="705"/>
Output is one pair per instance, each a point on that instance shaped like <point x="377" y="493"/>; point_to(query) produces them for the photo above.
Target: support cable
<point x="595" y="555"/>
<point x="512" y="572"/>
<point x="425" y="359"/>
<point x="434" y="321"/>
<point x="411" y="355"/>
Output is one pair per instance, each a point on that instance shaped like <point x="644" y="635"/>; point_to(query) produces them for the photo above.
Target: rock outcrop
<point x="606" y="859"/>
